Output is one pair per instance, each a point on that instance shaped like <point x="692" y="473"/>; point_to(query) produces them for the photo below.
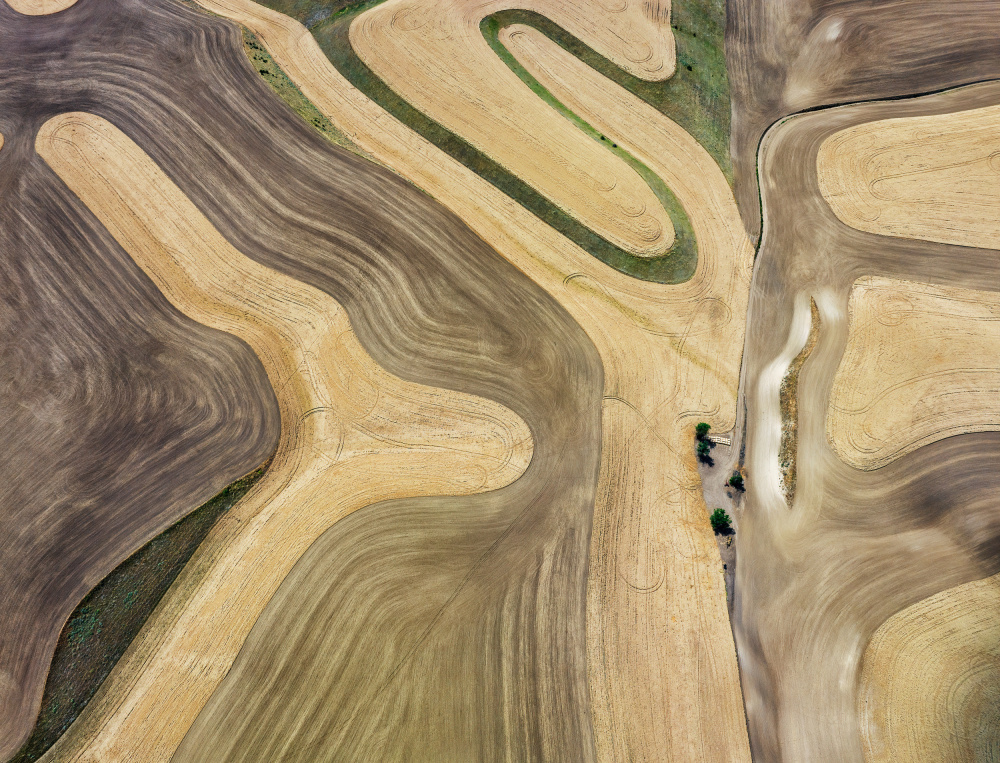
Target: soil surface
<point x="429" y="300"/>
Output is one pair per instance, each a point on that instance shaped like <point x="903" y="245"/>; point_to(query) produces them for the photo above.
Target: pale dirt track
<point x="39" y="7"/>
<point x="662" y="664"/>
<point x="934" y="177"/>
<point x="918" y="367"/>
<point x="352" y="435"/>
<point x="433" y="54"/>
<point x="930" y="685"/>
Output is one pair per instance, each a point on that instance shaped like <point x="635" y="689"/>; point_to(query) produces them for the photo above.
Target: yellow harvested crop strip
<point x="39" y="7"/>
<point x="614" y="609"/>
<point x="662" y="660"/>
<point x="930" y="685"/>
<point x="935" y="177"/>
<point x="352" y="435"/>
<point x="433" y="54"/>
<point x="919" y="366"/>
<point x="633" y="34"/>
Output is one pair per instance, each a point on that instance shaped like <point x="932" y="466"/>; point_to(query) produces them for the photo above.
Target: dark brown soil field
<point x="119" y="415"/>
<point x="816" y="579"/>
<point x="430" y="301"/>
<point x="786" y="57"/>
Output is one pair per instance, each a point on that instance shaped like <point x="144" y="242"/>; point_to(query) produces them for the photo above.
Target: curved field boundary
<point x="935" y="177"/>
<point x="930" y="684"/>
<point x="430" y="53"/>
<point x="919" y="366"/>
<point x="334" y="38"/>
<point x="352" y="435"/>
<point x="696" y="97"/>
<point x="102" y="626"/>
<point x="671" y="358"/>
<point x="39" y="7"/>
<point x="817" y="581"/>
<point x="683" y="252"/>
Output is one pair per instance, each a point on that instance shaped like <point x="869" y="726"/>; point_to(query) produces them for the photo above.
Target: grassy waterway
<point x="697" y="97"/>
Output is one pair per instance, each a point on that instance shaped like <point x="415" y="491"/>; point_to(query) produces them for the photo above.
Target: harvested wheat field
<point x="398" y="381"/>
<point x="39" y="7"/>
<point x="819" y="576"/>
<point x="935" y="177"/>
<point x="657" y="617"/>
<point x="435" y="56"/>
<point x="352" y="435"/>
<point x="426" y="297"/>
<point x="930" y="687"/>
<point x="783" y="59"/>
<point x="918" y="368"/>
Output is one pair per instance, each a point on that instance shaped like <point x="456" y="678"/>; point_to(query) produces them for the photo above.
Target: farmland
<point x="569" y="380"/>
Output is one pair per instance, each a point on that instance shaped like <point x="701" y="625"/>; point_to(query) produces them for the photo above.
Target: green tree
<point x="736" y="481"/>
<point x="701" y="431"/>
<point x="721" y="521"/>
<point x="704" y="450"/>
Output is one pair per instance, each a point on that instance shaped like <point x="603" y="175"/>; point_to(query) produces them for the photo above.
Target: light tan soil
<point x="920" y="365"/>
<point x="352" y="435"/>
<point x="39" y="7"/>
<point x="433" y="54"/>
<point x="934" y="177"/>
<point x="662" y="664"/>
<point x="930" y="685"/>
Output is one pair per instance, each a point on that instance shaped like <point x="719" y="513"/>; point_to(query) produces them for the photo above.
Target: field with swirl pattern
<point x="484" y="380"/>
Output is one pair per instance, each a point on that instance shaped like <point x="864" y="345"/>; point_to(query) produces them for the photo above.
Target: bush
<point x="721" y="521"/>
<point x="701" y="431"/>
<point x="736" y="481"/>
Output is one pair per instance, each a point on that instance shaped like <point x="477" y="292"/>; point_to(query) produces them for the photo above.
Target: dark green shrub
<point x="721" y="521"/>
<point x="736" y="481"/>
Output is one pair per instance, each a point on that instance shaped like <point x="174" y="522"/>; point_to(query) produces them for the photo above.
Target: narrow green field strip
<point x="283" y="86"/>
<point x="110" y="616"/>
<point x="696" y="97"/>
<point x="333" y="35"/>
<point x="684" y="247"/>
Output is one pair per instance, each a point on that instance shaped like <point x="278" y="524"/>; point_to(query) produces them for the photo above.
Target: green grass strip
<point x="101" y="628"/>
<point x="332" y="34"/>
<point x="696" y="97"/>
<point x="287" y="90"/>
<point x="684" y="247"/>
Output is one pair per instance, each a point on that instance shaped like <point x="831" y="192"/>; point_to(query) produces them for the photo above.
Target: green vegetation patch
<point x="696" y="97"/>
<point x="109" y="617"/>
<point x="333" y="36"/>
<point x="283" y="86"/>
<point x="684" y="251"/>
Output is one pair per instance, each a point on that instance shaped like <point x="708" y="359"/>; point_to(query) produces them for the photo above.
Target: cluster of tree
<point x="703" y="445"/>
<point x="721" y="522"/>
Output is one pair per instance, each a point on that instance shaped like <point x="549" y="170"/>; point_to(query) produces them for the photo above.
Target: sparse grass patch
<point x="109" y="617"/>
<point x="788" y="397"/>
<point x="283" y="86"/>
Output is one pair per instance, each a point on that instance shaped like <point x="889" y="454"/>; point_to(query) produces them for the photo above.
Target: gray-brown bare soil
<point x="816" y="579"/>
<point x="786" y="57"/>
<point x="119" y="415"/>
<point x="501" y="626"/>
